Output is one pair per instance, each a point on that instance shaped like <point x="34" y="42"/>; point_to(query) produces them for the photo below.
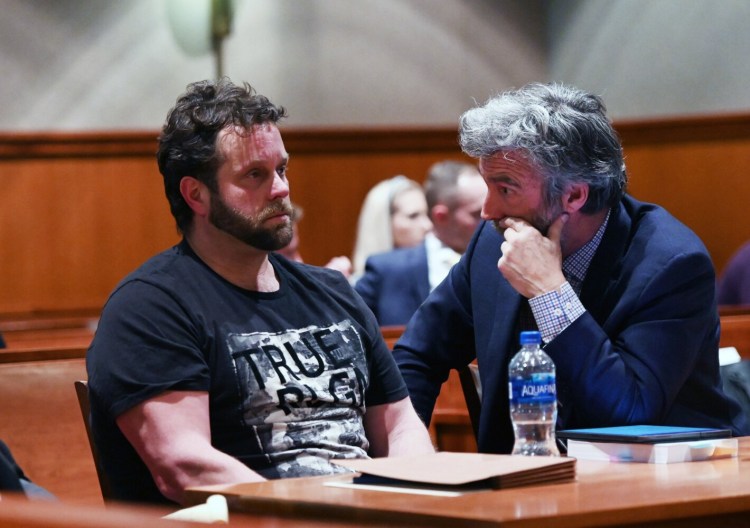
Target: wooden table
<point x="693" y="494"/>
<point x="18" y="512"/>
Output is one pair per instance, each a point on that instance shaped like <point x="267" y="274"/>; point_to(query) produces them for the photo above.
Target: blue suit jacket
<point x="645" y="351"/>
<point x="395" y="284"/>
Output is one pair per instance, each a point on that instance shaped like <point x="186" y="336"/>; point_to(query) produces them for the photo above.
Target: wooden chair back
<point x="82" y="391"/>
<point x="391" y="334"/>
<point x="472" y="389"/>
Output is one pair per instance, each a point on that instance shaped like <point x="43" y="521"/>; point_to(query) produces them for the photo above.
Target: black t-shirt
<point x="289" y="373"/>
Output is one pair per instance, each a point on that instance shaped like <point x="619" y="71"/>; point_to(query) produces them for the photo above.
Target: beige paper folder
<point x="462" y="470"/>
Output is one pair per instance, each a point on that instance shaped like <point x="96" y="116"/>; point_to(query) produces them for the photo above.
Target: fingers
<point x="513" y="227"/>
<point x="532" y="262"/>
<point x="515" y="224"/>
<point x="504" y="247"/>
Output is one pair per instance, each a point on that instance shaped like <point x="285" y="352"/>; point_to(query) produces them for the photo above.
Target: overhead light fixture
<point x="200" y="26"/>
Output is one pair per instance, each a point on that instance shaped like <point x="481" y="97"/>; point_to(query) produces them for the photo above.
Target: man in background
<point x="395" y="283"/>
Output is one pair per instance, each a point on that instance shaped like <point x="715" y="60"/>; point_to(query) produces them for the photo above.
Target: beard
<point x="249" y="229"/>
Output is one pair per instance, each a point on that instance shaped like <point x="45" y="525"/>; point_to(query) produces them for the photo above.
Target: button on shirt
<point x="440" y="259"/>
<point x="554" y="311"/>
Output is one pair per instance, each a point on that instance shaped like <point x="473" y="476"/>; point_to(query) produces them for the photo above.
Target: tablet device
<point x="643" y="434"/>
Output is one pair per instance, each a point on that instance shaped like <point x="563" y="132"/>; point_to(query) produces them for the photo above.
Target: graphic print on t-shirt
<point x="302" y="392"/>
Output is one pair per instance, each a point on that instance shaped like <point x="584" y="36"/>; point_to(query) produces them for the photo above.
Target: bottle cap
<point x="531" y="338"/>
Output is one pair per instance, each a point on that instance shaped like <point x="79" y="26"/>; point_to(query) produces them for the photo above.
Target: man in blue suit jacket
<point x="395" y="283"/>
<point x="622" y="293"/>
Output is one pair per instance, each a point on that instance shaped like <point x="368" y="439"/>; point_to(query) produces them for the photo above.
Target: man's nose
<point x="280" y="187"/>
<point x="490" y="209"/>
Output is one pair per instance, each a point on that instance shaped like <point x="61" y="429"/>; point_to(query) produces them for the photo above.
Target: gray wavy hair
<point x="563" y="131"/>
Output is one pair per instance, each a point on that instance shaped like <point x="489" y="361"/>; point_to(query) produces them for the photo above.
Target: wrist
<point x="549" y="287"/>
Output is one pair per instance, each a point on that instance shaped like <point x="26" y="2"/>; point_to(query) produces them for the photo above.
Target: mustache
<point x="539" y="223"/>
<point x="276" y="208"/>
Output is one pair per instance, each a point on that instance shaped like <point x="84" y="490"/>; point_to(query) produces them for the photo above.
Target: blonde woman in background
<point x="393" y="215"/>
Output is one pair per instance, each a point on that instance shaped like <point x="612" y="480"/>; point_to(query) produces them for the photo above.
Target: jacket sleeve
<point x="631" y="367"/>
<point x="438" y="338"/>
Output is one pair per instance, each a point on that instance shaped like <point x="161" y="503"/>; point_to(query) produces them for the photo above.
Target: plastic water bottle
<point x="533" y="398"/>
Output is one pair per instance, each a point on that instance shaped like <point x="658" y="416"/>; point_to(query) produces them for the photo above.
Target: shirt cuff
<point x="554" y="311"/>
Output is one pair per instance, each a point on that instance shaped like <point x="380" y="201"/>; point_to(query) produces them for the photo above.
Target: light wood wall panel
<point x="699" y="169"/>
<point x="79" y="211"/>
<point x="75" y="216"/>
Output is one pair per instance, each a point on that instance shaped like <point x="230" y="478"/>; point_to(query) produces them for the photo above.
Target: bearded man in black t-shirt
<point x="218" y="361"/>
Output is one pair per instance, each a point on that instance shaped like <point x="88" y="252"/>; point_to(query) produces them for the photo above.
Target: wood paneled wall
<point x="79" y="211"/>
<point x="699" y="169"/>
<point x="76" y="213"/>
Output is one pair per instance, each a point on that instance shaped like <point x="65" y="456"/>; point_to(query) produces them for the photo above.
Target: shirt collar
<point x="577" y="264"/>
<point x="440" y="259"/>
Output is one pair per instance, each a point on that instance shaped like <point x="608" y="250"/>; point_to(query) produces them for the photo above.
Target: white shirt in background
<point x="440" y="259"/>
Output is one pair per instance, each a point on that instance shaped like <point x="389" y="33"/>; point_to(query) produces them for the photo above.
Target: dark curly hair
<point x="187" y="144"/>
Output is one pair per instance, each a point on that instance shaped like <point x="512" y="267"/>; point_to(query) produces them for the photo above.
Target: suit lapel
<point x="493" y="362"/>
<point x="601" y="288"/>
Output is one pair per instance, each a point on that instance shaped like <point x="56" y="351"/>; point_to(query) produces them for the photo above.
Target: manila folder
<point x="462" y="470"/>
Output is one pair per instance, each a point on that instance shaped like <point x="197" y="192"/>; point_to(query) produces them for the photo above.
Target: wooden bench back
<point x="21" y="354"/>
<point x="48" y="330"/>
<point x="40" y="420"/>
<point x="735" y="332"/>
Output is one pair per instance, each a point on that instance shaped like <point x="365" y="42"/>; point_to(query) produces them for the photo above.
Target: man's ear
<point x="440" y="213"/>
<point x="575" y="197"/>
<point x="196" y="195"/>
